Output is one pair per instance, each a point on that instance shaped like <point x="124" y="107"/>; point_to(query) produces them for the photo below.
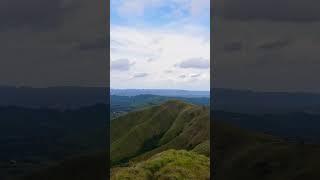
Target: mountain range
<point x="231" y="100"/>
<point x="160" y="92"/>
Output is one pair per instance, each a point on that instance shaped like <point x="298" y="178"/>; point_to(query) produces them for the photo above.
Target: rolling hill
<point x="167" y="141"/>
<point x="172" y="125"/>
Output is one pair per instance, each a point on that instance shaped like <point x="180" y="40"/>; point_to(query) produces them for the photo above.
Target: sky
<point x="267" y="45"/>
<point x="160" y="44"/>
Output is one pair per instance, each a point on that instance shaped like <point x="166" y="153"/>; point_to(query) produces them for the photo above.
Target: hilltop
<point x="170" y="164"/>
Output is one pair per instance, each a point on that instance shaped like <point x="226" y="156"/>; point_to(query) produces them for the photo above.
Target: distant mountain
<point x="223" y="99"/>
<point x="128" y="103"/>
<point x="160" y="92"/>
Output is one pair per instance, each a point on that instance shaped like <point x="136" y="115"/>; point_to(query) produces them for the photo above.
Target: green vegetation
<point x="167" y="141"/>
<point x="174" y="124"/>
<point x="123" y="104"/>
<point x="170" y="164"/>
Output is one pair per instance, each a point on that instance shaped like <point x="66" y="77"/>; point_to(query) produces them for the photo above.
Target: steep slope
<point x="172" y="125"/>
<point x="170" y="164"/>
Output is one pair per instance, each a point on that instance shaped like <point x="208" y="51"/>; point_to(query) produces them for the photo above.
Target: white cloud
<point x="166" y="48"/>
<point x="195" y="75"/>
<point x="157" y="35"/>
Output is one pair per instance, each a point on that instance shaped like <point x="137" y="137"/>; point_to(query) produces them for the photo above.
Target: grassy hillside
<point x="250" y="156"/>
<point x="172" y="125"/>
<point x="170" y="164"/>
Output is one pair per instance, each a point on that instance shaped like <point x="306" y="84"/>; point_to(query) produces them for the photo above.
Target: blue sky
<point x="160" y="44"/>
<point x="158" y="13"/>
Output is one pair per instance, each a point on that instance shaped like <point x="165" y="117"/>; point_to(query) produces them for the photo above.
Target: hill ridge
<point x="158" y="128"/>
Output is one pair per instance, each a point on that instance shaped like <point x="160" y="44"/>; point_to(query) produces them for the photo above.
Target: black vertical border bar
<point x="212" y="156"/>
<point x="107" y="34"/>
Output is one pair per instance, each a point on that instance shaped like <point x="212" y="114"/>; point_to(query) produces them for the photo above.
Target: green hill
<point x="174" y="124"/>
<point x="170" y="164"/>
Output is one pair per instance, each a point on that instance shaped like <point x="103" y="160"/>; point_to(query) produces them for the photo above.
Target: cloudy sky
<point x="160" y="44"/>
<point x="53" y="43"/>
<point x="267" y="45"/>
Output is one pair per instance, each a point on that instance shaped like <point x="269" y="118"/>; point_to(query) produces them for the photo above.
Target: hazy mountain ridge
<point x="243" y="101"/>
<point x="160" y="92"/>
<point x="123" y="104"/>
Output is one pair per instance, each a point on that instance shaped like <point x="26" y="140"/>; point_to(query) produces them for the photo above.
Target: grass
<point x="170" y="164"/>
